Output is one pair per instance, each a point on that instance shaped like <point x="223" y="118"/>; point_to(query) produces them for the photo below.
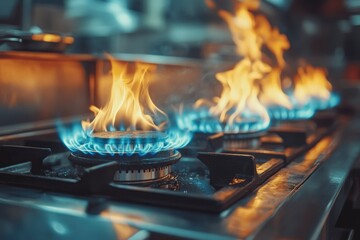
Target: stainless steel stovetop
<point x="289" y="190"/>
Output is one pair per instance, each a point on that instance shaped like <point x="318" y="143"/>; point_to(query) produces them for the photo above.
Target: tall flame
<point x="252" y="91"/>
<point x="242" y="27"/>
<point x="130" y="106"/>
<point x="239" y="94"/>
<point x="276" y="42"/>
<point x="239" y="101"/>
<point x="272" y="93"/>
<point x="258" y="83"/>
<point x="310" y="83"/>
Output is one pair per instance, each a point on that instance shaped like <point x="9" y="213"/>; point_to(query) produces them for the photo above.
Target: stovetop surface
<point x="208" y="178"/>
<point x="241" y="219"/>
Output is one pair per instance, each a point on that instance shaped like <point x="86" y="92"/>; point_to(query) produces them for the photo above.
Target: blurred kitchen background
<point x="316" y="28"/>
<point x="187" y="38"/>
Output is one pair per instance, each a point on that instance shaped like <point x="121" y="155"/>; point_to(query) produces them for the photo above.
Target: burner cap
<point x="128" y="162"/>
<point x="134" y="167"/>
<point x="244" y="135"/>
<point x="213" y="125"/>
<point x="129" y="136"/>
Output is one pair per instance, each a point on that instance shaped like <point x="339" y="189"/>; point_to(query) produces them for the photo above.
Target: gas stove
<point x="256" y="144"/>
<point x="211" y="174"/>
<point x="234" y="181"/>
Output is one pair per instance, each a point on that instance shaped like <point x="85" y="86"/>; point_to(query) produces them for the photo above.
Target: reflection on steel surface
<point x="38" y="89"/>
<point x="244" y="220"/>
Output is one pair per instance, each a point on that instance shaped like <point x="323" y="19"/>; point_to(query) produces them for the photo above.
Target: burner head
<point x="297" y="113"/>
<point x="134" y="166"/>
<point x="248" y="140"/>
<point x="134" y="136"/>
<point x="213" y="125"/>
<point x="202" y="120"/>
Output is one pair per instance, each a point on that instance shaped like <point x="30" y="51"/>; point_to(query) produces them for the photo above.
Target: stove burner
<point x="211" y="124"/>
<point x="128" y="142"/>
<point x="201" y="121"/>
<point x="145" y="136"/>
<point x="251" y="140"/>
<point x="280" y="113"/>
<point x="333" y="101"/>
<point x="122" y="142"/>
<point x="135" y="167"/>
<point x="303" y="112"/>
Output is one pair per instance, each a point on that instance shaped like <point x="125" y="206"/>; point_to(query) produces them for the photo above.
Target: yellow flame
<point x="311" y="82"/>
<point x="253" y="78"/>
<point x="239" y="93"/>
<point x="272" y="93"/>
<point x="242" y="84"/>
<point x="276" y="42"/>
<point x="242" y="27"/>
<point x="130" y="106"/>
<point x="251" y="33"/>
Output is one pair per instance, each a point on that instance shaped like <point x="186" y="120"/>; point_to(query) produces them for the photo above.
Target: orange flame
<point x="239" y="92"/>
<point x="251" y="33"/>
<point x="272" y="94"/>
<point x="311" y="82"/>
<point x="130" y="106"/>
<point x="242" y="85"/>
<point x="255" y="82"/>
<point x="242" y="27"/>
<point x="276" y="42"/>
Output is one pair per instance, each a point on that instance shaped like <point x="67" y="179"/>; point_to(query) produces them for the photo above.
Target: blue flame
<point x="321" y="104"/>
<point x="200" y="120"/>
<point x="303" y="112"/>
<point x="78" y="140"/>
<point x="296" y="113"/>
